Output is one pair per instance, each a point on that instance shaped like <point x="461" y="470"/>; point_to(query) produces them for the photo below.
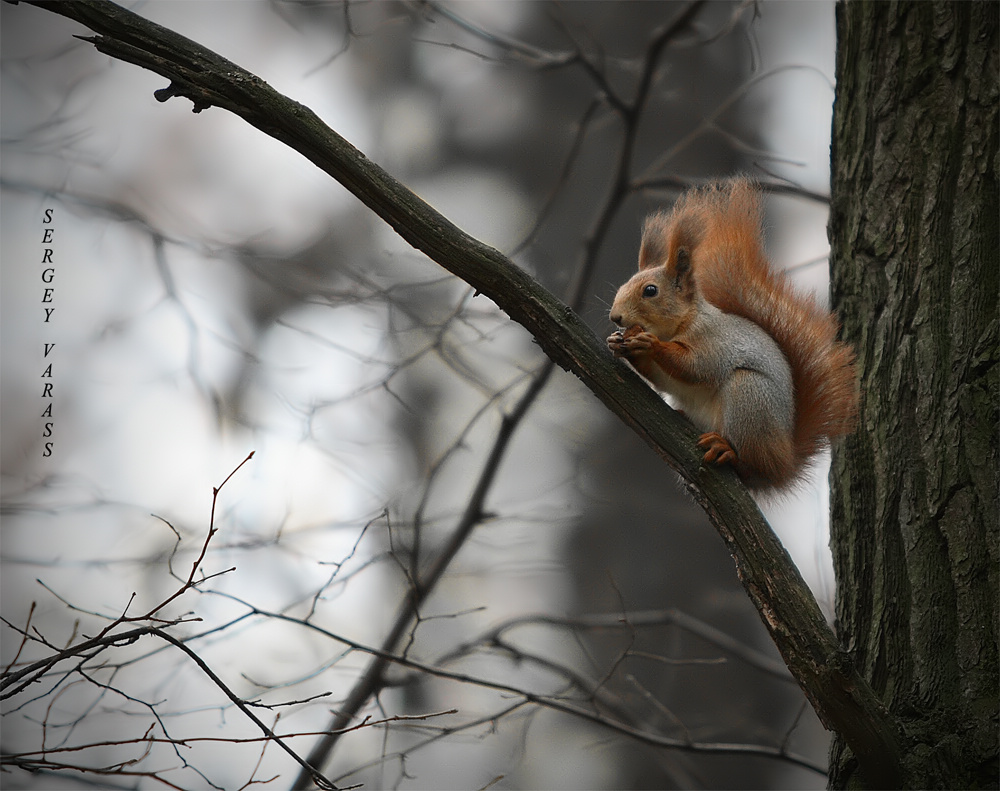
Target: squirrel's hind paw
<point x="717" y="448"/>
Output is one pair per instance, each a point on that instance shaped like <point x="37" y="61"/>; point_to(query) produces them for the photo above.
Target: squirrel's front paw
<point x="636" y="340"/>
<point x="631" y="342"/>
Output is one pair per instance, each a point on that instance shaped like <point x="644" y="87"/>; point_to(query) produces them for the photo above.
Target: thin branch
<point x="709" y="121"/>
<point x="549" y="701"/>
<point x="34" y="671"/>
<point x="24" y="639"/>
<point x="633" y="620"/>
<point x="372" y="678"/>
<point x="317" y="777"/>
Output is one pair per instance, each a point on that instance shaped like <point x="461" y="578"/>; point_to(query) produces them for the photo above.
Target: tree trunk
<point x="914" y="235"/>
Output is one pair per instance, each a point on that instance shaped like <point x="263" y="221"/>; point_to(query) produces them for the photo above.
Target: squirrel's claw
<point x="634" y="340"/>
<point x="717" y="448"/>
<point x="615" y="341"/>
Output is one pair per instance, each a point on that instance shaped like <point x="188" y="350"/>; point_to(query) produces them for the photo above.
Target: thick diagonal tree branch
<point x="841" y="697"/>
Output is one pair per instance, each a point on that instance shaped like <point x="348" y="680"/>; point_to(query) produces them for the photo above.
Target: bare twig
<point x="317" y="777"/>
<point x="372" y="678"/>
<point x="555" y="703"/>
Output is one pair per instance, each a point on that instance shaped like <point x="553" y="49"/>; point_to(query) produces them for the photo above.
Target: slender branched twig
<point x="109" y="638"/>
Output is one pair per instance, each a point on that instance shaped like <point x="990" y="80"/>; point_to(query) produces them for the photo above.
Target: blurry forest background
<point x="215" y="294"/>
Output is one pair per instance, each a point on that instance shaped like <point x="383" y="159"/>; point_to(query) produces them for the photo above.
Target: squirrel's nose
<point x="616" y="318"/>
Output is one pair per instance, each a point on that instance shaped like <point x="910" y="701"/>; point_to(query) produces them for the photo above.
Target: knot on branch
<point x="182" y="89"/>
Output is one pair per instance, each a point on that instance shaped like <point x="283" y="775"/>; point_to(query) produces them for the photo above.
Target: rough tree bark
<point x="914" y="231"/>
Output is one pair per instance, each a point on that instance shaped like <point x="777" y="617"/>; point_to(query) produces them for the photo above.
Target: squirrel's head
<point x="662" y="296"/>
<point x="660" y="299"/>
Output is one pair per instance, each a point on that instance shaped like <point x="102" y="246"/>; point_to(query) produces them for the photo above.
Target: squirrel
<point x="751" y="362"/>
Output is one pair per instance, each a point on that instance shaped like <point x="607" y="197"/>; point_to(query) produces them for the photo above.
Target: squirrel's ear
<point x="683" y="275"/>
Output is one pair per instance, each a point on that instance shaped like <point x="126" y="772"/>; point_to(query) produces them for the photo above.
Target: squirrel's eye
<point x="650" y="291"/>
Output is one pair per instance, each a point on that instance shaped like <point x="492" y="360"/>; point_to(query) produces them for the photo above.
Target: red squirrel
<point x="752" y="363"/>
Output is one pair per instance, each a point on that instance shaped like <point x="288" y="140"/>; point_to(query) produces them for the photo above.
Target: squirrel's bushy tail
<point x="735" y="275"/>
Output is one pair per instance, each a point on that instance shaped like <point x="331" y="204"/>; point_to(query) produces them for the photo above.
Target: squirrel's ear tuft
<point x="653" y="251"/>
